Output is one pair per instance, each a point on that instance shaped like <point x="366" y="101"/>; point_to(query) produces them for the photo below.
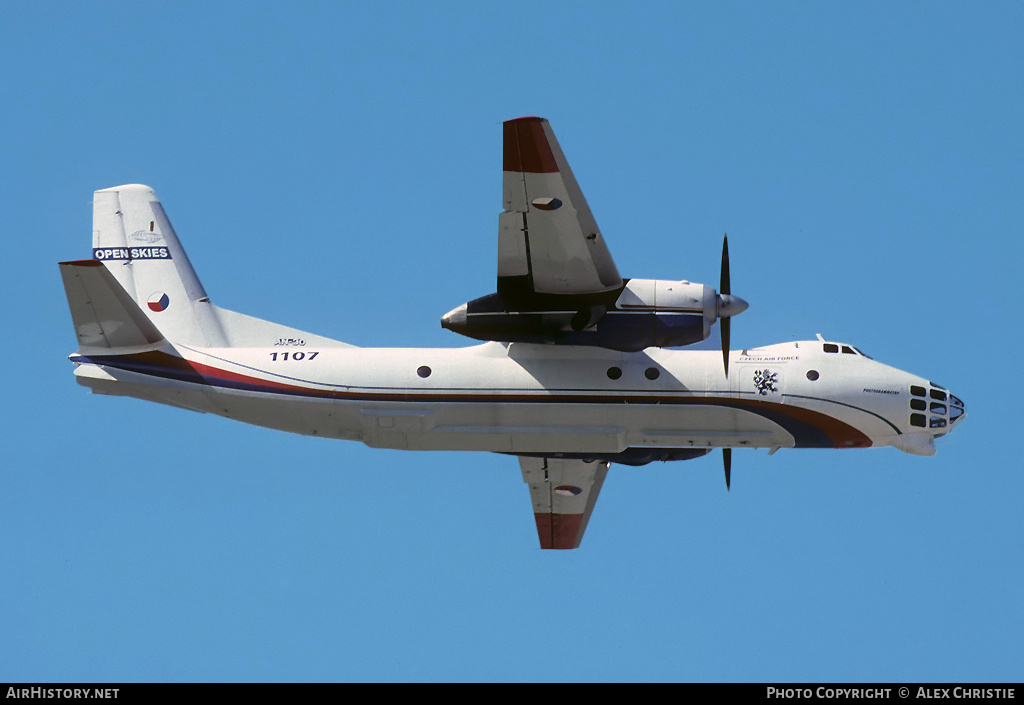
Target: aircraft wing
<point x="563" y="493"/>
<point x="548" y="240"/>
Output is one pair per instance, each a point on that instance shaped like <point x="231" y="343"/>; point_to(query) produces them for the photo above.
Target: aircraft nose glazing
<point x="956" y="410"/>
<point x="934" y="408"/>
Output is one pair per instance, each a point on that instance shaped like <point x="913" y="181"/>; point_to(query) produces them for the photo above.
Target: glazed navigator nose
<point x="934" y="408"/>
<point x="956" y="410"/>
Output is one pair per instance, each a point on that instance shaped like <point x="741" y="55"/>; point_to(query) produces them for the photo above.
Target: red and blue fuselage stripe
<point x="809" y="428"/>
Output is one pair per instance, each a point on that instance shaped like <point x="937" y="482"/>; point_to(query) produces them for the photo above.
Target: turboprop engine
<point x="640" y="314"/>
<point x="637" y="314"/>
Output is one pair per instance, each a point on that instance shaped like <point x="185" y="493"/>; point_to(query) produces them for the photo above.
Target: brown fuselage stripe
<point x="825" y="430"/>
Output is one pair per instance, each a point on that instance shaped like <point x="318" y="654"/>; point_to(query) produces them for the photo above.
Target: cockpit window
<point x="847" y="349"/>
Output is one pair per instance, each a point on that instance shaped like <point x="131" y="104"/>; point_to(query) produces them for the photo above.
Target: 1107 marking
<point x="296" y="356"/>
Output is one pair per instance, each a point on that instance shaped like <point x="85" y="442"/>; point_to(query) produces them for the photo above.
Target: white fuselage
<point x="525" y="398"/>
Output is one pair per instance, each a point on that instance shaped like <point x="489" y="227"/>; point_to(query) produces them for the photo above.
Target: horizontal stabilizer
<point x="105" y="316"/>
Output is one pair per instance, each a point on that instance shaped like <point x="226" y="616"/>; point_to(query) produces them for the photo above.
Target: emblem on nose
<point x="766" y="382"/>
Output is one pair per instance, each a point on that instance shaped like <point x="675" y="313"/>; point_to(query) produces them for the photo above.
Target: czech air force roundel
<point x="159" y="301"/>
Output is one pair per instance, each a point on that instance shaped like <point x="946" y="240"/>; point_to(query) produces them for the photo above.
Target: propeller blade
<point x="724" y="324"/>
<point x="727" y="459"/>
<point x="725" y="289"/>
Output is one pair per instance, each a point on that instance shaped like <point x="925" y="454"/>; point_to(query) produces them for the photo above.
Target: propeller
<point x="727" y="459"/>
<point x="728" y="305"/>
<point x="725" y="289"/>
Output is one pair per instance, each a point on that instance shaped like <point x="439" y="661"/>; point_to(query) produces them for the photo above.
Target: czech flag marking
<point x="159" y="301"/>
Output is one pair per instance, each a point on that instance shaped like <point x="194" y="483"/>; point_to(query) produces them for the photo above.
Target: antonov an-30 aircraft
<point x="576" y="373"/>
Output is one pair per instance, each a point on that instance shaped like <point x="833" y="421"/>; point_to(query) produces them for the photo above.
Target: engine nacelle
<point x="678" y="304"/>
<point x="641" y="313"/>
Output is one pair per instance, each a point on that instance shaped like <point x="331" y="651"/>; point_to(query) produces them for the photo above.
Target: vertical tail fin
<point x="134" y="239"/>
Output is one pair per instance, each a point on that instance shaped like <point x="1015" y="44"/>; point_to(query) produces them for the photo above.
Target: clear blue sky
<point x="336" y="167"/>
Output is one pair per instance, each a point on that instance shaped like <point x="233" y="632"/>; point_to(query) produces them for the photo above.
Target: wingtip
<point x="526" y="147"/>
<point x="125" y="187"/>
<point x="558" y="531"/>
